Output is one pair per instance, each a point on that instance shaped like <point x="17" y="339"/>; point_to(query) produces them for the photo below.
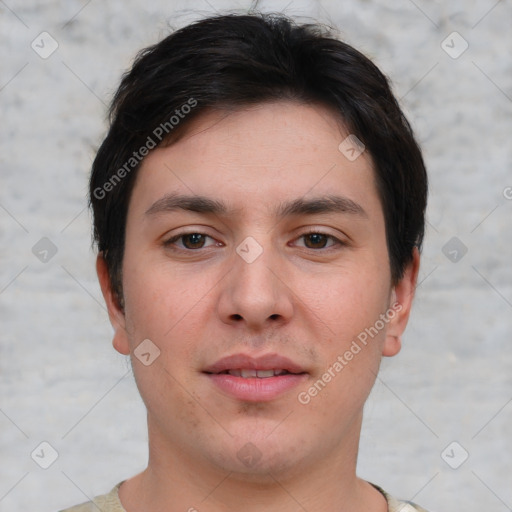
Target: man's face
<point x="254" y="244"/>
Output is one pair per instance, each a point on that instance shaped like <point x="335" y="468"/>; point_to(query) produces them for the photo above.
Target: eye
<point x="316" y="240"/>
<point x="191" y="241"/>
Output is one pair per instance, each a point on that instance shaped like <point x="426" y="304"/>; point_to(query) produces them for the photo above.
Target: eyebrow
<point x="325" y="204"/>
<point x="198" y="204"/>
<point x="202" y="204"/>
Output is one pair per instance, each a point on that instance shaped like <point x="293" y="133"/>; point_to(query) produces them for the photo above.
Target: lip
<point x="255" y="389"/>
<point x="265" y="362"/>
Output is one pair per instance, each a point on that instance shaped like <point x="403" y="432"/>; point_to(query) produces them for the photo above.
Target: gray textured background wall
<point x="61" y="381"/>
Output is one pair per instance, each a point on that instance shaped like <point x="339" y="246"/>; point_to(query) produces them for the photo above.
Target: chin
<point x="266" y="471"/>
<point x="260" y="459"/>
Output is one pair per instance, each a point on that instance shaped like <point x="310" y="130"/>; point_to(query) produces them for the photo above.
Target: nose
<point x="255" y="294"/>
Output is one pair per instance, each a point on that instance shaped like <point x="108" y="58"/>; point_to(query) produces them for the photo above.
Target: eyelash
<point x="336" y="241"/>
<point x="170" y="242"/>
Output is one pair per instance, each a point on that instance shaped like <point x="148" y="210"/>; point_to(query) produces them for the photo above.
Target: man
<point x="259" y="209"/>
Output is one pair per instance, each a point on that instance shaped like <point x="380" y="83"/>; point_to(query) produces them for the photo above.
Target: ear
<point x="115" y="313"/>
<point x="400" y="305"/>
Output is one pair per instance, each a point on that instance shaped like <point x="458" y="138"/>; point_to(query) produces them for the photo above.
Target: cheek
<point x="158" y="308"/>
<point x="172" y="405"/>
<point x="158" y="303"/>
<point x="347" y="309"/>
<point x="349" y="301"/>
<point x="166" y="309"/>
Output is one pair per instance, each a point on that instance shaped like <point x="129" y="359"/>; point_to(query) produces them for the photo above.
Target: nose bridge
<point x="255" y="276"/>
<point x="254" y="294"/>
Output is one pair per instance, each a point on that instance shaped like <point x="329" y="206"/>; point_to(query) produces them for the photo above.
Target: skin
<point x="297" y="299"/>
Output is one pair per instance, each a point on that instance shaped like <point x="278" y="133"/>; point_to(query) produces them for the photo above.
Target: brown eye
<point x="190" y="241"/>
<point x="193" y="240"/>
<point x="316" y="240"/>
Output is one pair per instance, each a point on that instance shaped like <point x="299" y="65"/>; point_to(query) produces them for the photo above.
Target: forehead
<point x="263" y="154"/>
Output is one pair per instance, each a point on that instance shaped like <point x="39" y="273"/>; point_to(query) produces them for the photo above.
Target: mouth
<point x="247" y="366"/>
<point x="253" y="379"/>
<point x="249" y="373"/>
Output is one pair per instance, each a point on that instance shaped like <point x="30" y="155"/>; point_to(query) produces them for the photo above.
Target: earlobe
<point x="115" y="313"/>
<point x="401" y="300"/>
<point x="392" y="345"/>
<point x="120" y="342"/>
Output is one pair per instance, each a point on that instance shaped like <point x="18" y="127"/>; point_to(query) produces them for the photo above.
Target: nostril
<point x="237" y="317"/>
<point x="274" y="317"/>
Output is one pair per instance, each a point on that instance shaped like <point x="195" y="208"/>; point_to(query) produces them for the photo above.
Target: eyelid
<point x="169" y="241"/>
<point x="338" y="241"/>
<point x="190" y="229"/>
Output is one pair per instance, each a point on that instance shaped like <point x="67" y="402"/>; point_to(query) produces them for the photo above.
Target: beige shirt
<point x="110" y="503"/>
